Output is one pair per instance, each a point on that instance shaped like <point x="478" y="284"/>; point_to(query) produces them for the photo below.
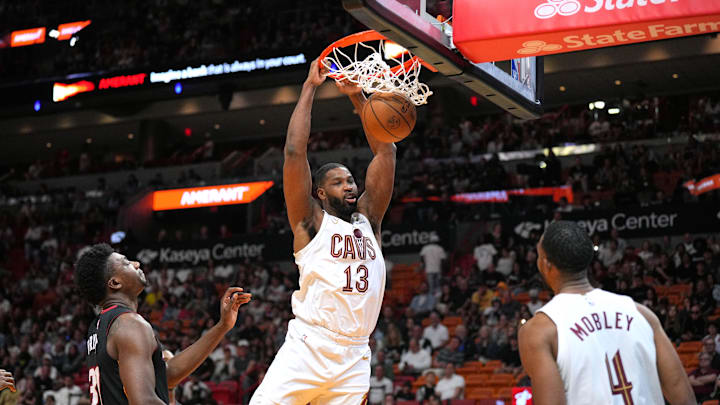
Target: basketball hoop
<point x="385" y="68"/>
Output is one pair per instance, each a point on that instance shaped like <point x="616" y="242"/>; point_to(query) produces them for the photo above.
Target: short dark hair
<point x="92" y="271"/>
<point x="568" y="247"/>
<point x="321" y="172"/>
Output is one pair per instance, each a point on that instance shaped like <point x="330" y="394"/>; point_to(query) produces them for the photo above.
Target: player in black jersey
<point x="124" y="356"/>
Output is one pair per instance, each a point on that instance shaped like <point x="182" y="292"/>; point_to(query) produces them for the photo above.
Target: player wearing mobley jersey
<point x="326" y="358"/>
<point x="593" y="347"/>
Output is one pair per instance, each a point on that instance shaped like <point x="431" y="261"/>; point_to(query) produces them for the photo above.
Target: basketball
<point x="388" y="117"/>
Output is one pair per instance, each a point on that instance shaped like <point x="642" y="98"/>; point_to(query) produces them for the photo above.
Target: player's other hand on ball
<point x="347" y="87"/>
<point x="231" y="301"/>
<point x="317" y="74"/>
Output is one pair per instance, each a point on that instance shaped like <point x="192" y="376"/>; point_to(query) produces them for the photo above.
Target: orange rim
<point x="367" y="36"/>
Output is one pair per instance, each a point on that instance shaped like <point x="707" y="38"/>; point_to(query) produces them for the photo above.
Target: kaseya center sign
<point x="513" y="29"/>
<point x="211" y="196"/>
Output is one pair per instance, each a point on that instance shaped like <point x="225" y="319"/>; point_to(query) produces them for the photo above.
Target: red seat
<point x="222" y="395"/>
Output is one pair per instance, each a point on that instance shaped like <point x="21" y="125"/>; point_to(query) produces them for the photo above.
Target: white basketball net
<point x="373" y="74"/>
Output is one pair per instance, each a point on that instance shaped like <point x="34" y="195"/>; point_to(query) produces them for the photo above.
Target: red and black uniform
<point x="106" y="387"/>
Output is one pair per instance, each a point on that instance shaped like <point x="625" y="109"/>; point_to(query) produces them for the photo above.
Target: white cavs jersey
<point x="606" y="352"/>
<point x="342" y="277"/>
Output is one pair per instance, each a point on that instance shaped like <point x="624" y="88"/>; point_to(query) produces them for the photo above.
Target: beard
<point x="341" y="207"/>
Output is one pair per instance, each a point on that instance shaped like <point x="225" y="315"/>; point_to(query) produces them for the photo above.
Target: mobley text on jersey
<point x="597" y="322"/>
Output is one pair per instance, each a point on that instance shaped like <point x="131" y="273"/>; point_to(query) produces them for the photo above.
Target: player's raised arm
<point x="134" y="342"/>
<point x="673" y="379"/>
<point x="380" y="176"/>
<point x="297" y="180"/>
<point x="535" y="339"/>
<point x="182" y="365"/>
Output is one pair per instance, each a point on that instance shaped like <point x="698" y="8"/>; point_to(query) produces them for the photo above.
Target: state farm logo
<point x="551" y="8"/>
<point x="533" y="47"/>
<point x="554" y="7"/>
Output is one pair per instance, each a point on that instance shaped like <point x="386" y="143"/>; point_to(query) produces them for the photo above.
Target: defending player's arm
<point x="536" y="341"/>
<point x="380" y="176"/>
<point x="673" y="379"/>
<point x="132" y="340"/>
<point x="297" y="180"/>
<point x="180" y="366"/>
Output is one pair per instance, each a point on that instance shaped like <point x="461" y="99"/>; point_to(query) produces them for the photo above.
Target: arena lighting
<point x="599" y="105"/>
<point x="562" y="88"/>
<point x="188" y="131"/>
<point x="473" y="101"/>
<point x="37" y="106"/>
<point x="30" y="36"/>
<point x="613" y="111"/>
<point x="62" y="91"/>
<point x="73" y="41"/>
<point x="591" y="106"/>
<point x="178" y="88"/>
<point x="393" y="50"/>
<point x="194" y="197"/>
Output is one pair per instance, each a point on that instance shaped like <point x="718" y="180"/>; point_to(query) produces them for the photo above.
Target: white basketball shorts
<point x="316" y="366"/>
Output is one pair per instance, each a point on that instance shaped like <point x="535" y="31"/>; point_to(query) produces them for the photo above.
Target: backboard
<point x="515" y="86"/>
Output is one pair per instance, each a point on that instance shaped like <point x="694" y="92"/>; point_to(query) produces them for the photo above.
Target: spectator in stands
<point x="505" y="262"/>
<point x="381" y="359"/>
<point x="450" y="354"/>
<point x="709" y="348"/>
<point x="433" y="255"/>
<point x="490" y="277"/>
<point x="393" y="343"/>
<point x="423" y="302"/>
<point x="415" y="360"/>
<point x="196" y="392"/>
<point x="436" y="332"/>
<point x="417" y="332"/>
<point x="389" y="399"/>
<point x="68" y="394"/>
<point x="702" y="379"/>
<point x="428" y="388"/>
<point x="225" y="368"/>
<point x="451" y="385"/>
<point x="404" y="393"/>
<point x="535" y="303"/>
<point x="713" y="334"/>
<point x="380" y="386"/>
<point x="696" y="324"/>
<point x="484" y="254"/>
<point x="610" y="254"/>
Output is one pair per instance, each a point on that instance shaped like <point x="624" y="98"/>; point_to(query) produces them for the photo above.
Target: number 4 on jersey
<point x="623" y="386"/>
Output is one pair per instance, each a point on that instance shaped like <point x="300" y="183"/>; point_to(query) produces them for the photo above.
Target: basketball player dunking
<point x="125" y="358"/>
<point x="326" y="358"/>
<point x="589" y="346"/>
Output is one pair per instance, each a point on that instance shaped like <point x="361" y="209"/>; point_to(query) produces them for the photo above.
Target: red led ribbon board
<point x="709" y="183"/>
<point x="494" y="30"/>
<point x="27" y="37"/>
<point x="66" y="31"/>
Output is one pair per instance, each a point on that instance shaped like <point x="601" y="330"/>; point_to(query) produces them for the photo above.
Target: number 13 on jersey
<point x="361" y="279"/>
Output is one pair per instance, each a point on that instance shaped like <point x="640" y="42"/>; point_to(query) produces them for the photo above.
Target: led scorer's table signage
<point x="195" y="197"/>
